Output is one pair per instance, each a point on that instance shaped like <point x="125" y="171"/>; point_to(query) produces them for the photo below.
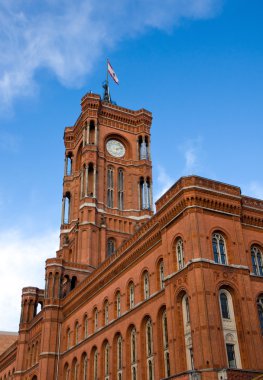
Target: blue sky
<point x="196" y="64"/>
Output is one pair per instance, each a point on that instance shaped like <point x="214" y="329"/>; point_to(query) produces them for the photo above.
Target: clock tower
<point x="107" y="186"/>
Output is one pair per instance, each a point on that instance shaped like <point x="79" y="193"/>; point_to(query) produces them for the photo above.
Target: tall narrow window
<point x="260" y="312"/>
<point x="257" y="262"/>
<point x="149" y="338"/>
<point x="69" y="164"/>
<point x="110" y="246"/>
<point x="118" y="304"/>
<point x="224" y="306"/>
<point x="106" y="312"/>
<point x="131" y="295"/>
<point x="119" y="358"/>
<point x="75" y="370"/>
<point x="230" y="349"/>
<point x="161" y="274"/>
<point x="84" y="369"/>
<point x="120" y="189"/>
<point x="133" y="347"/>
<point x="165" y="345"/>
<point x="107" y="361"/>
<point x="149" y="349"/>
<point x="66" y="209"/>
<point x="145" y="194"/>
<point x="95" y="365"/>
<point x="85" y="326"/>
<point x="96" y="319"/>
<point x="229" y="329"/>
<point x="146" y="285"/>
<point x="76" y="333"/>
<point x="110" y="187"/>
<point x="219" y="248"/>
<point x="180" y="253"/>
<point x="187" y="333"/>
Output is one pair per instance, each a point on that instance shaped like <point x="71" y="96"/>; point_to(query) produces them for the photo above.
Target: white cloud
<point x="68" y="37"/>
<point x="164" y="182"/>
<point x="192" y="151"/>
<point x="22" y="264"/>
<point x="253" y="189"/>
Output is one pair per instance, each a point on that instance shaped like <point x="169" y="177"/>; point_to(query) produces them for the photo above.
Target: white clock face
<point x="115" y="148"/>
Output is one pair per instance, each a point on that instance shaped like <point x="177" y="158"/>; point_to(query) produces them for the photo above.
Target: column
<point x="65" y="166"/>
<point x="87" y="180"/>
<point x="144" y="194"/>
<point x="84" y="136"/>
<point x="151" y="195"/>
<point x="63" y="211"/>
<point x="149" y="150"/>
<point x="139" y="196"/>
<point x="94" y="181"/>
<point x="87" y="133"/>
<point x="96" y="134"/>
<point x="81" y="184"/>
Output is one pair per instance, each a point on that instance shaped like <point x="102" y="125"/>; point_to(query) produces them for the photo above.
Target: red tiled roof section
<point x="7" y="339"/>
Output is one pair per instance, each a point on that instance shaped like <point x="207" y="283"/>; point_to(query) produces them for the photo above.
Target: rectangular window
<point x="230" y="349"/>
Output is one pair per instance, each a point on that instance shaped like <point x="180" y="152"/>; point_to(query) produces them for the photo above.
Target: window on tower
<point x="260" y="312"/>
<point x="110" y="246"/>
<point x="257" y="262"/>
<point x="120" y="189"/>
<point x="219" y="248"/>
<point x="145" y="193"/>
<point x="110" y="187"/>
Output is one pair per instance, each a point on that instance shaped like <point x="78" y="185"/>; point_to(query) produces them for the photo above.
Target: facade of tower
<point x="133" y="295"/>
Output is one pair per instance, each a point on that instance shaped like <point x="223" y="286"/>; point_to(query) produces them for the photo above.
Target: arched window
<point x="180" y="253"/>
<point x="133" y="347"/>
<point x="260" y="312"/>
<point x="96" y="317"/>
<point x="161" y="274"/>
<point x="85" y="326"/>
<point x="149" y="349"/>
<point x="229" y="329"/>
<point x="107" y="361"/>
<point x="145" y="193"/>
<point x="66" y="209"/>
<point x="133" y="354"/>
<point x="224" y="305"/>
<point x="68" y="164"/>
<point x="118" y="304"/>
<point x="131" y="295"/>
<point x="257" y="262"/>
<point x="95" y="365"/>
<point x="110" y="187"/>
<point x="66" y="372"/>
<point x="84" y="366"/>
<point x="106" y="312"/>
<point x="119" y="358"/>
<point x="149" y="338"/>
<point x="165" y="345"/>
<point x="110" y="246"/>
<point x="74" y="373"/>
<point x="120" y="189"/>
<point x="187" y="333"/>
<point x="219" y="248"/>
<point x="146" y="285"/>
<point x="76" y="333"/>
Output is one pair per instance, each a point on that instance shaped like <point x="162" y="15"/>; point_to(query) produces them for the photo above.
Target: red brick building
<point x="133" y="295"/>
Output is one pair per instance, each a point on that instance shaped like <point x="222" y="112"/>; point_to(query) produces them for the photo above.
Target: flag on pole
<point x="112" y="73"/>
